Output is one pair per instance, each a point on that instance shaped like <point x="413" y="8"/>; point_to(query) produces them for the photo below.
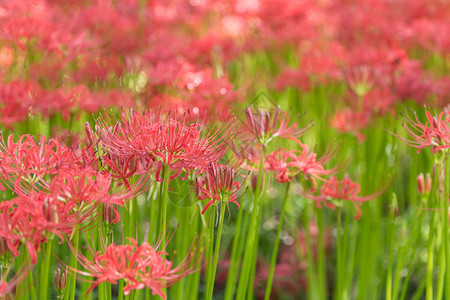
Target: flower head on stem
<point x="334" y="191"/>
<point x="166" y="140"/>
<point x="139" y="266"/>
<point x="435" y="133"/>
<point x="287" y="164"/>
<point x="218" y="185"/>
<point x="265" y="125"/>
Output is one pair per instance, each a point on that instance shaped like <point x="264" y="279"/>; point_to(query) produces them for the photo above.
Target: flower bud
<point x="110" y="215"/>
<point x="420" y="184"/>
<point x="254" y="181"/>
<point x="60" y="281"/>
<point x="423" y="186"/>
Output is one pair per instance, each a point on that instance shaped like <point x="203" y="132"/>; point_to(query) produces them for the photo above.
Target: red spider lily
<point x="435" y="133"/>
<point x="218" y="185"/>
<point x="122" y="168"/>
<point x="85" y="190"/>
<point x="32" y="219"/>
<point x="289" y="163"/>
<point x="170" y="142"/>
<point x="346" y="190"/>
<point x="264" y="125"/>
<point x="139" y="266"/>
<point x="351" y="122"/>
<point x="26" y="162"/>
<point x="360" y="79"/>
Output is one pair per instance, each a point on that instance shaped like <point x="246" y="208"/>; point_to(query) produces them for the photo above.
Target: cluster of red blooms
<point x="435" y="133"/>
<point x="58" y="189"/>
<point x="55" y="191"/>
<point x="68" y="56"/>
<point x="139" y="266"/>
<point x="302" y="165"/>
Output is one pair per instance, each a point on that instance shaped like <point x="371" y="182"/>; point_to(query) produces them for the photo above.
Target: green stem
<point x="120" y="292"/>
<point x="237" y="252"/>
<point x="429" y="276"/>
<point x="391" y="251"/>
<point x="163" y="210"/>
<point x="321" y="259"/>
<point x="416" y="239"/>
<point x="210" y="287"/>
<point x="45" y="269"/>
<point x="310" y="269"/>
<point x="251" y="238"/>
<point x="164" y="196"/>
<point x="446" y="239"/>
<point x="209" y="250"/>
<point x="339" y="254"/>
<point x="72" y="281"/>
<point x="31" y="286"/>
<point x="277" y="244"/>
<point x="442" y="267"/>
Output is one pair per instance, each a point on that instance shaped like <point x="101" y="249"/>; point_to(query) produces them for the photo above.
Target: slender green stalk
<point x="251" y="282"/>
<point x="391" y="236"/>
<point x="210" y="287"/>
<point x="163" y="211"/>
<point x="31" y="285"/>
<point x="442" y="267"/>
<point x="310" y="269"/>
<point x="430" y="251"/>
<point x="403" y="255"/>
<point x="252" y="237"/>
<point x="340" y="271"/>
<point x="446" y="229"/>
<point x="233" y="270"/>
<point x="163" y="207"/>
<point x="277" y="243"/>
<point x="416" y="239"/>
<point x="45" y="270"/>
<point x="321" y="259"/>
<point x="120" y="292"/>
<point x="72" y="281"/>
<point x="209" y="245"/>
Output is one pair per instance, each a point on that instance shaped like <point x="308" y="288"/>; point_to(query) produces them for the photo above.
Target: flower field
<point x="210" y="149"/>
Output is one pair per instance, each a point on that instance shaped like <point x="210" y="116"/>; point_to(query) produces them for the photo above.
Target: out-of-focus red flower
<point x="287" y="164"/>
<point x="350" y="121"/>
<point x="346" y="190"/>
<point x="6" y="57"/>
<point x="263" y="126"/>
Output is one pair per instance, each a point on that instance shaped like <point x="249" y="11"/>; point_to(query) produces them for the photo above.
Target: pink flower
<point x="139" y="266"/>
<point x="265" y="125"/>
<point x="183" y="146"/>
<point x="435" y="133"/>
<point x="346" y="190"/>
<point x="287" y="164"/>
<point x="218" y="186"/>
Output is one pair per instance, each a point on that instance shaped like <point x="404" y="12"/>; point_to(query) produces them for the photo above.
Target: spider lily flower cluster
<point x="169" y="72"/>
<point x="140" y="266"/>
<point x="165" y="141"/>
<point x="435" y="133"/>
